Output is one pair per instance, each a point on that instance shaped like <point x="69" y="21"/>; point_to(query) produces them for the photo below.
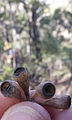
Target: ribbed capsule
<point x="58" y="102"/>
<point x="21" y="75"/>
<point x="45" y="90"/>
<point x="11" y="89"/>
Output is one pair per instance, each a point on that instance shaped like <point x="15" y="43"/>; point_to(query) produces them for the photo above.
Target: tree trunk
<point x="35" y="33"/>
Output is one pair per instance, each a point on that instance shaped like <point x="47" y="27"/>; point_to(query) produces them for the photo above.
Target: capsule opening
<point x="18" y="70"/>
<point x="68" y="101"/>
<point x="48" y="90"/>
<point x="5" y="86"/>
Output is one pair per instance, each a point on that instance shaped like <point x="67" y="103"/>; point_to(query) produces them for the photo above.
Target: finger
<point x="64" y="115"/>
<point x="5" y="103"/>
<point x="52" y="111"/>
<point x="26" y="111"/>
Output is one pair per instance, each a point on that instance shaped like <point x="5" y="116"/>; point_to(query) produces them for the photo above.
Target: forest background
<point x="37" y="34"/>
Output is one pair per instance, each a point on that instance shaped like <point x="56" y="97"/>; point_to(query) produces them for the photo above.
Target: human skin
<point x="55" y="114"/>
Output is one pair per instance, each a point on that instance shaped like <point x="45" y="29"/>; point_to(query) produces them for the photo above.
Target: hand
<point x="55" y="114"/>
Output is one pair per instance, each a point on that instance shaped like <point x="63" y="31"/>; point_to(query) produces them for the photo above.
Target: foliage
<point x="1" y="45"/>
<point x="6" y="74"/>
<point x="38" y="37"/>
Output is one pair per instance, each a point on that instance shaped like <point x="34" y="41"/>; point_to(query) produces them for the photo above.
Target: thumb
<point x="26" y="111"/>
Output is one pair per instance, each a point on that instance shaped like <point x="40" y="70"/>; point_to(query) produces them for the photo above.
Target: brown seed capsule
<point x="45" y="90"/>
<point x="21" y="75"/>
<point x="59" y="102"/>
<point x="11" y="89"/>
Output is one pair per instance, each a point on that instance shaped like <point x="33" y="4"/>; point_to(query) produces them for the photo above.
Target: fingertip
<point x="26" y="110"/>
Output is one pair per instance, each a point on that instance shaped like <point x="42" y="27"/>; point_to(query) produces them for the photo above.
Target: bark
<point x="33" y="32"/>
<point x="35" y="36"/>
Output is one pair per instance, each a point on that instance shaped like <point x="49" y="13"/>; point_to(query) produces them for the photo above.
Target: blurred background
<point x="37" y="34"/>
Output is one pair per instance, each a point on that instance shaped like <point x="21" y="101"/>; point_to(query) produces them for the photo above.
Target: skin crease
<point x="55" y="114"/>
